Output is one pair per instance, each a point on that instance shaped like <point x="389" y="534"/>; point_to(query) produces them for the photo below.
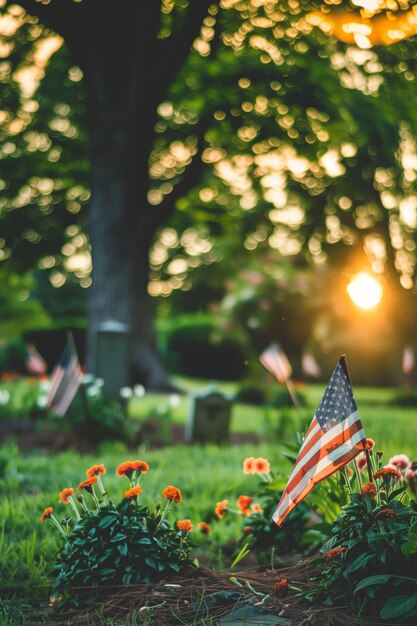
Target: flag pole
<point x="368" y="457"/>
<point x="83" y="393"/>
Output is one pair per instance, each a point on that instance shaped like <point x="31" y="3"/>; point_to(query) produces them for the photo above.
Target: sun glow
<point x="365" y="291"/>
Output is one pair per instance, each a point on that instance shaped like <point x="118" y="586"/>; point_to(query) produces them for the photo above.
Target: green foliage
<point x="251" y="394"/>
<point x="22" y="398"/>
<point x="119" y="545"/>
<point x="204" y="352"/>
<point x="13" y="355"/>
<point x="370" y="557"/>
<point x="282" y="399"/>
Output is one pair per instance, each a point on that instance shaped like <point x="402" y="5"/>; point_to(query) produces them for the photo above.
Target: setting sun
<point x="365" y="291"/>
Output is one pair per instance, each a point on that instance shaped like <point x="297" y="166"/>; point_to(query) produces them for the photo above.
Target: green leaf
<point x="359" y="562"/>
<point x="398" y="605"/>
<point x="379" y="579"/>
<point x="107" y="521"/>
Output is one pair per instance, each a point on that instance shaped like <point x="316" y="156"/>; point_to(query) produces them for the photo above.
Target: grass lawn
<point x="205" y="475"/>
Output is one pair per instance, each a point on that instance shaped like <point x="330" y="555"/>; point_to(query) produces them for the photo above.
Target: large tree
<point x="220" y="109"/>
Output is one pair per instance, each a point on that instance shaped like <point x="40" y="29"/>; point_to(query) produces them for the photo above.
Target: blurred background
<point x="199" y="179"/>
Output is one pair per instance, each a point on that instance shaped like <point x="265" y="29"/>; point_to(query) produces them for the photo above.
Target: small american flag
<point x="408" y="360"/>
<point x="334" y="438"/>
<point x="275" y="361"/>
<point x="35" y="363"/>
<point x="65" y="380"/>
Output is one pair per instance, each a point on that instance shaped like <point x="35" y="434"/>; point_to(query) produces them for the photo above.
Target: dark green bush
<point x="282" y="399"/>
<point x="251" y="394"/>
<point x="13" y="357"/>
<point x="200" y="351"/>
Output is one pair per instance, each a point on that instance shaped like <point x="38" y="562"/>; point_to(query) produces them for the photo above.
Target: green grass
<point x="205" y="475"/>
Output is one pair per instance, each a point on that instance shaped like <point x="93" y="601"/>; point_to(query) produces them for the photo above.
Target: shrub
<point x="116" y="544"/>
<point x="251" y="394"/>
<point x="282" y="399"/>
<point x="197" y="350"/>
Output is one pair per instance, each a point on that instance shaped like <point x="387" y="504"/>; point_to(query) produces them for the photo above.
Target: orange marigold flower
<point x="125" y="469"/>
<point x="243" y="504"/>
<point x="69" y="491"/>
<point x="141" y="466"/>
<point x="369" y="443"/>
<point x="386" y="514"/>
<point x="184" y="525"/>
<point x="172" y="493"/>
<point x="334" y="552"/>
<point x="204" y="528"/>
<point x="96" y="470"/>
<point x="262" y="466"/>
<point x="387" y="471"/>
<point x="247" y="530"/>
<point x="47" y="513"/>
<point x="133" y="493"/>
<point x="249" y="465"/>
<point x="369" y="489"/>
<point x="54" y="601"/>
<point x="281" y="588"/>
<point x="87" y="484"/>
<point x="256" y="508"/>
<point x="221" y="507"/>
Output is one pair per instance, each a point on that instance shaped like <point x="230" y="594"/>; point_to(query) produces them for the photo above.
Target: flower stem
<point x="58" y="525"/>
<point x="103" y="491"/>
<point x="165" y="513"/>
<point x="74" y="508"/>
<point x="347" y="481"/>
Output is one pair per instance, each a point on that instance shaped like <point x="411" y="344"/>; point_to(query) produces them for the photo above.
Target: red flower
<point x="281" y="588"/>
<point x="369" y="489"/>
<point x="69" y="491"/>
<point x="96" y="470"/>
<point x="243" y="504"/>
<point x="133" y="493"/>
<point x="87" y="484"/>
<point x="369" y="443"/>
<point x="333" y="553"/>
<point x="172" y="493"/>
<point x="184" y="525"/>
<point x="386" y="514"/>
<point x="247" y="530"/>
<point x="53" y="601"/>
<point x="361" y="462"/>
<point x="125" y="469"/>
<point x="47" y="513"/>
<point x="141" y="466"/>
<point x="221" y="507"/>
<point x="400" y="461"/>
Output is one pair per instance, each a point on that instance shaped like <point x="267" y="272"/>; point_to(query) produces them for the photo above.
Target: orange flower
<point x="256" y="508"/>
<point x="172" y="493"/>
<point x="184" y="525"/>
<point x="349" y="472"/>
<point x="247" y="530"/>
<point x="69" y="491"/>
<point x="369" y="489"/>
<point x="133" y="493"/>
<point x="53" y="601"/>
<point x="221" y="507"/>
<point x="386" y="514"/>
<point x="125" y="469"/>
<point x="47" y="513"/>
<point x="387" y="471"/>
<point x="369" y="443"/>
<point x="243" y="504"/>
<point x="249" y="465"/>
<point x="87" y="484"/>
<point x="96" y="470"/>
<point x="281" y="588"/>
<point x="262" y="466"/>
<point x="141" y="466"/>
<point x="333" y="553"/>
<point x="204" y="528"/>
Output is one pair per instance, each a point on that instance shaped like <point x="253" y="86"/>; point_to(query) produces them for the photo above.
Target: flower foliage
<point x="117" y="544"/>
<point x="370" y="557"/>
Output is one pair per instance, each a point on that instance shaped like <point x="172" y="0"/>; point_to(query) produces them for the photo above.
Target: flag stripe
<point x="314" y="471"/>
<point x="276" y="362"/>
<point x="65" y="380"/>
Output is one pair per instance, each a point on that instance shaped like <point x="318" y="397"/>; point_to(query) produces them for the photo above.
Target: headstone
<point x="209" y="418"/>
<point x="111" y="357"/>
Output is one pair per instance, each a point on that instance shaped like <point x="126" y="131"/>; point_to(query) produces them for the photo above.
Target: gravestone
<point x="209" y="417"/>
<point x="111" y="357"/>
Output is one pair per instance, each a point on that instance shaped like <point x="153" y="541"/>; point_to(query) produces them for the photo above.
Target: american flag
<point x="65" y="380"/>
<point x="310" y="366"/>
<point x="408" y="360"/>
<point x="276" y="362"/>
<point x="35" y="363"/>
<point x="334" y="438"/>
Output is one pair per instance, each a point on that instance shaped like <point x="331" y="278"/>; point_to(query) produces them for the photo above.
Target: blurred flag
<point x="334" y="438"/>
<point x="276" y="362"/>
<point x="310" y="366"/>
<point x="65" y="380"/>
<point x="408" y="360"/>
<point x="35" y="363"/>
